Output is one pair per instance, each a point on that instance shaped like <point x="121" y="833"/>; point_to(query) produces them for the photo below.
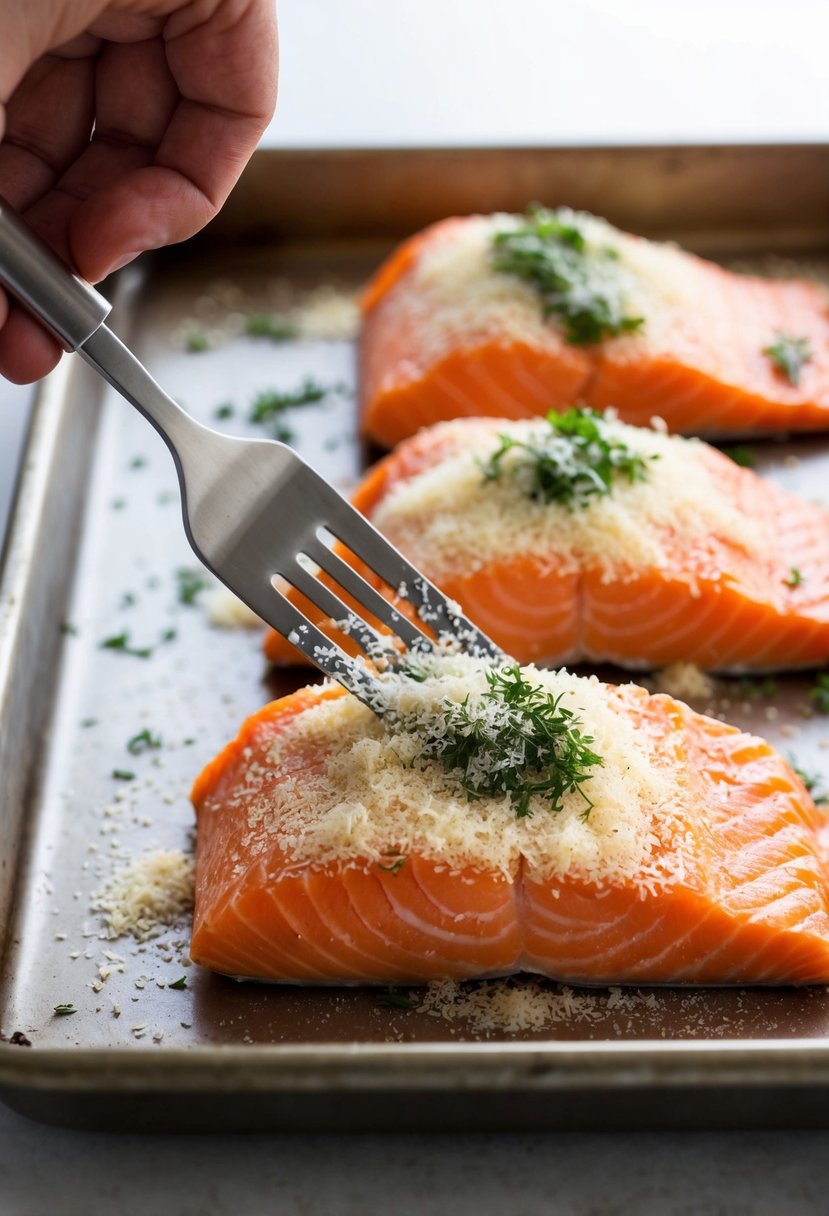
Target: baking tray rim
<point x="800" y="1061"/>
<point x="435" y="1066"/>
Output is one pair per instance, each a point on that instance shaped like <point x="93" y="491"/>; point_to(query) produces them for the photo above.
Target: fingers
<point x="27" y="352"/>
<point x="48" y="123"/>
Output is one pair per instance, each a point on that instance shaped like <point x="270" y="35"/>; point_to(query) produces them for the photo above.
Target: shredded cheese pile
<point x="457" y="295"/>
<point x="368" y="796"/>
<point x="148" y="895"/>
<point x="449" y="519"/>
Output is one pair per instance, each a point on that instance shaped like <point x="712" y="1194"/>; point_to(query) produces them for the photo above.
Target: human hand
<point x="178" y="91"/>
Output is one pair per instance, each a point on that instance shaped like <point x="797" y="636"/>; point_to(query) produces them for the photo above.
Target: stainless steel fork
<point x="251" y="507"/>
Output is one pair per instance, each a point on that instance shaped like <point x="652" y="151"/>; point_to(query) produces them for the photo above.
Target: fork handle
<point x="65" y="303"/>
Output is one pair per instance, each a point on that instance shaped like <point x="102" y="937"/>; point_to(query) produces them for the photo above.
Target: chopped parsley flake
<point x="121" y="642"/>
<point x="144" y="741"/>
<point x="579" y="284"/>
<point x="820" y="693"/>
<point x="572" y="461"/>
<point x="269" y="325"/>
<point x="795" y="578"/>
<point x="138" y="462"/>
<point x="515" y="739"/>
<point x="69" y="628"/>
<point x="789" y="354"/>
<point x="196" y="341"/>
<point x="179" y="983"/>
<point x="190" y="581"/>
<point x="62" y="1011"/>
<point x="225" y="410"/>
<point x="268" y="405"/>
<point x="123" y="774"/>
<point x="741" y="455"/>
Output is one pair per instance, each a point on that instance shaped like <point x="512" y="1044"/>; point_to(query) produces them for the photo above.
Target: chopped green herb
<point x="751" y="690"/>
<point x="573" y="460"/>
<point x="741" y="455"/>
<point x="394" y="867"/>
<point x="196" y="341"/>
<point x="188" y="742"/>
<point x="121" y="641"/>
<point x="118" y="504"/>
<point x="123" y="774"/>
<point x="268" y="405"/>
<point x="812" y="781"/>
<point x="225" y="410"/>
<point x="516" y="739"/>
<point x="795" y="578"/>
<point x="69" y="628"/>
<point x="579" y="284"/>
<point x="166" y="497"/>
<point x="87" y="722"/>
<point x="144" y="741"/>
<point x="169" y="634"/>
<point x="269" y="325"/>
<point x="285" y="434"/>
<point x="191" y="581"/>
<point x="138" y="462"/>
<point x="179" y="983"/>
<point x="789" y="354"/>
<point x="820" y="693"/>
<point x="392" y="999"/>
<point x="128" y="599"/>
<point x="62" y="1011"/>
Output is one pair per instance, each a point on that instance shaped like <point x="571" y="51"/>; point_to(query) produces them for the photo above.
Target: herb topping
<point x="578" y="283"/>
<point x="515" y="739"/>
<point x="789" y="354"/>
<point x="573" y="461"/>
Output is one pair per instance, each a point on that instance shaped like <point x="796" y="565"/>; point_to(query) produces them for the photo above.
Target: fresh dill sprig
<point x="121" y="642"/>
<point x="789" y="354"/>
<point x="575" y="459"/>
<point x="579" y="284"/>
<point x="794" y="578"/>
<point x="515" y="739"/>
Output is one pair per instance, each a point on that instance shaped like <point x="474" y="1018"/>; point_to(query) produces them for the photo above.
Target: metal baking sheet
<point x="94" y="550"/>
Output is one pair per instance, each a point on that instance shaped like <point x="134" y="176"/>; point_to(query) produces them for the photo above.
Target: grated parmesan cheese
<point x="369" y="795"/>
<point x="515" y="1006"/>
<point x="146" y="896"/>
<point x="226" y="611"/>
<point x="456" y="294"/>
<point x="686" y="682"/>
<point x="449" y="520"/>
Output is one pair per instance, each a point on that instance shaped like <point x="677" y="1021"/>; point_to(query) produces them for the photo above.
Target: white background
<point x="390" y="72"/>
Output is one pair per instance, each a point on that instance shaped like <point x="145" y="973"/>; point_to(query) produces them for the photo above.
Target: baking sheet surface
<point x="200" y="683"/>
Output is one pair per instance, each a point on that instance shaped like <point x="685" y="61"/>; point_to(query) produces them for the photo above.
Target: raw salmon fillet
<point x="444" y="335"/>
<point x="702" y="562"/>
<point x="323" y="858"/>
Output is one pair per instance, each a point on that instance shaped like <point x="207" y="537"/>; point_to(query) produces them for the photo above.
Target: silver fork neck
<point x="119" y="366"/>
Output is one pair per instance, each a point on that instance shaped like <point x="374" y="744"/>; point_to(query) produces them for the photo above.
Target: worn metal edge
<point x="23" y="642"/>
<point x="656" y="189"/>
<point x="651" y="1064"/>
